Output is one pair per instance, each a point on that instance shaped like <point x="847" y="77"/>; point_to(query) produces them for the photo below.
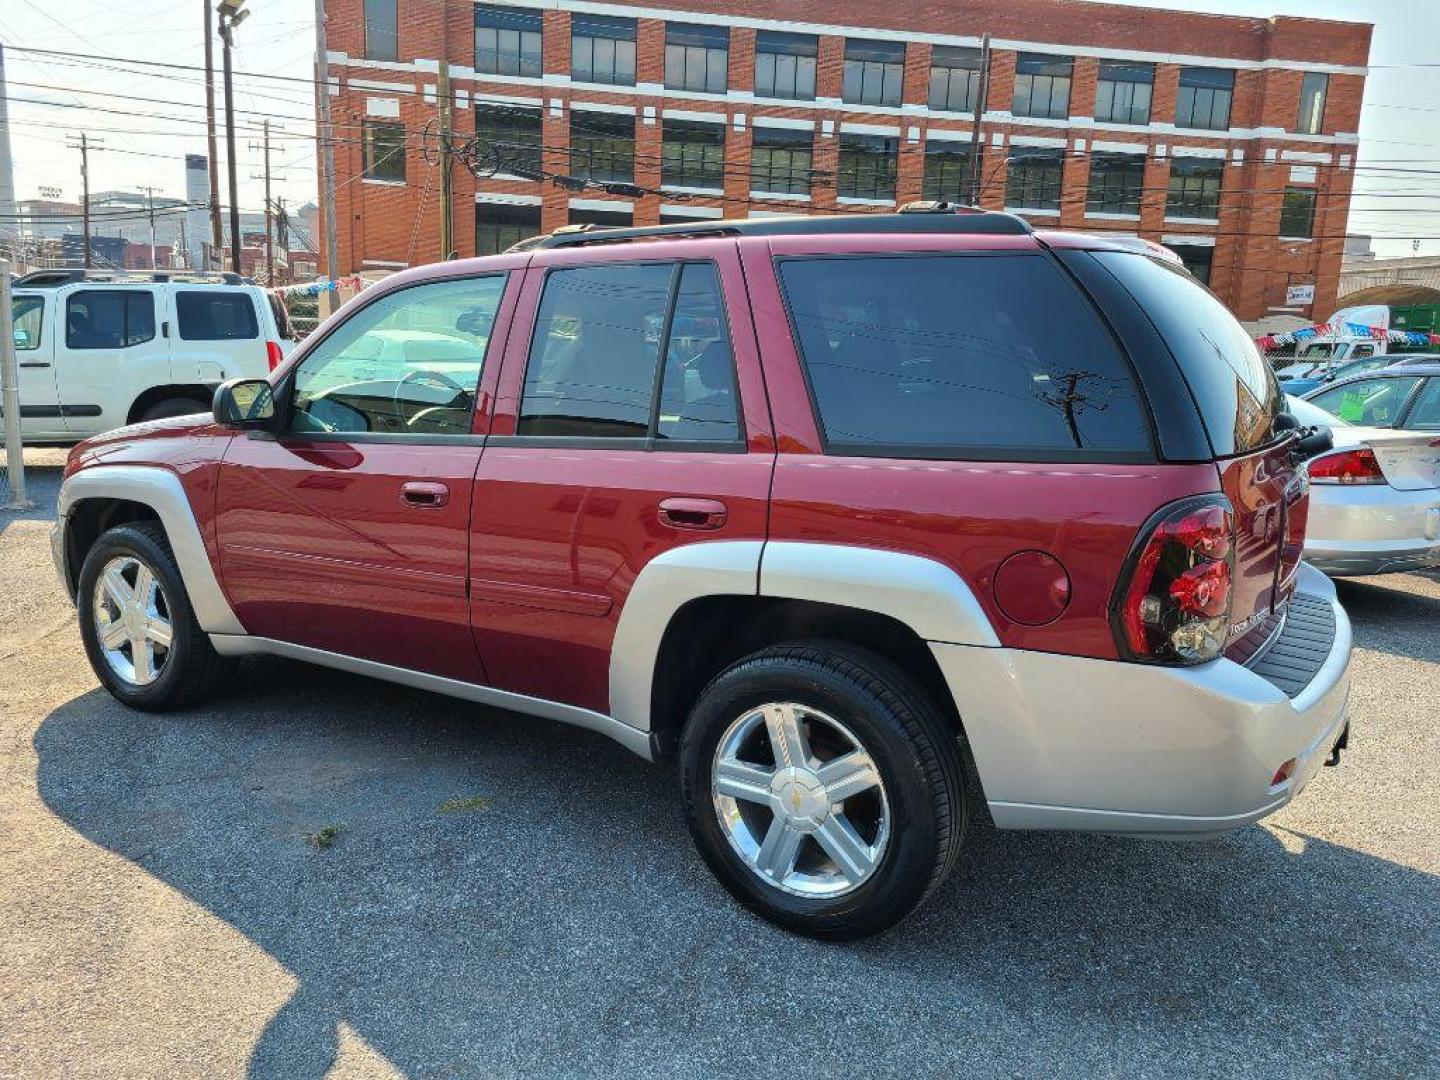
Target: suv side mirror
<point x="244" y="403"/>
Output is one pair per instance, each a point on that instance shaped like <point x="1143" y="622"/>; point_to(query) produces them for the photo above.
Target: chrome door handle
<point x="424" y="494"/>
<point x="693" y="513"/>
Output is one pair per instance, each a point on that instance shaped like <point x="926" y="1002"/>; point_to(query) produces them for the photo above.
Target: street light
<point x="232" y="13"/>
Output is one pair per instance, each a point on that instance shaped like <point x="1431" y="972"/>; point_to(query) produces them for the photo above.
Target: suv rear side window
<point x="215" y="316"/>
<point x="109" y="318"/>
<point x="594" y="359"/>
<point x="979" y="356"/>
<point x="1235" y="389"/>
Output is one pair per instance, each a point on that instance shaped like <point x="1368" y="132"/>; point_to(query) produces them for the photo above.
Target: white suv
<point x="98" y="350"/>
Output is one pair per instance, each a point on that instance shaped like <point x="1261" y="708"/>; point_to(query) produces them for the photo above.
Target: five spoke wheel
<point x="800" y="800"/>
<point x="132" y="620"/>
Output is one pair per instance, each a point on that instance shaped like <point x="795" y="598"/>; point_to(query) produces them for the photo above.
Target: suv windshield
<point x="1235" y="389"/>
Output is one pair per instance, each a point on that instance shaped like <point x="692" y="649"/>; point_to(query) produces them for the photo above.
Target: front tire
<point x="823" y="788"/>
<point x="137" y="625"/>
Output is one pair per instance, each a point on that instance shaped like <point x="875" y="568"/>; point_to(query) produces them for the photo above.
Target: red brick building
<point x="1230" y="139"/>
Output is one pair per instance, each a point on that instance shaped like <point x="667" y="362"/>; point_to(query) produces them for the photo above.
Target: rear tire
<point x="137" y="625"/>
<point x="845" y="832"/>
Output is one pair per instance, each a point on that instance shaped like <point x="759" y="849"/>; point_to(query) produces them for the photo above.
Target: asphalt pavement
<point x="320" y="874"/>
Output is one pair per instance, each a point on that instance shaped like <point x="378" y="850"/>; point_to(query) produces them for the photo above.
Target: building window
<point x="1194" y="188"/>
<point x="622" y="217"/>
<point x="785" y="65"/>
<point x="1197" y="259"/>
<point x="500" y="226"/>
<point x="1042" y="85"/>
<point x="1297" y="213"/>
<point x="512" y="133"/>
<point x="947" y="171"/>
<point x="780" y="161"/>
<point x="954" y="78"/>
<point x="602" y="50"/>
<point x="1116" y="182"/>
<point x="1204" y="98"/>
<point x="1034" y="178"/>
<point x="1312" y="102"/>
<point x="507" y="41"/>
<point x="697" y="57"/>
<point x="384" y="152"/>
<point x="1122" y="96"/>
<point x="692" y="154"/>
<point x="874" y="72"/>
<point x="867" y="167"/>
<point x="382" y="30"/>
<point x="602" y="146"/>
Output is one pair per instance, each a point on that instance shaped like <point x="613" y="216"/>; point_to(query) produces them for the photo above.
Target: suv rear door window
<point x="978" y="356"/>
<point x="215" y="316"/>
<point x="1235" y="389"/>
<point x="109" y="318"/>
<point x="594" y="359"/>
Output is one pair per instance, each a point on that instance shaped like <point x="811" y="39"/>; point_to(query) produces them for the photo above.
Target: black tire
<point x="912" y="746"/>
<point x="166" y="408"/>
<point x="192" y="668"/>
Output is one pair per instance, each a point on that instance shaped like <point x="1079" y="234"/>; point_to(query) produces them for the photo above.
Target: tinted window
<point x="212" y="316"/>
<point x="109" y="318"/>
<point x="27" y="315"/>
<point x="960" y="355"/>
<point x="1425" y="415"/>
<point x="408" y="363"/>
<point x="598" y="339"/>
<point x="1234" y="387"/>
<point x="381" y="30"/>
<point x="1367" y="402"/>
<point x="697" y="400"/>
<point x="595" y="350"/>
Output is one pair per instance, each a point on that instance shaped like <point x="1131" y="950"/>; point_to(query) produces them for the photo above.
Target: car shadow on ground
<point x="506" y="895"/>
<point x="1391" y="619"/>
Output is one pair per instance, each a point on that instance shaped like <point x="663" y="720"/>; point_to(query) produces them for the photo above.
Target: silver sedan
<point x="1375" y="496"/>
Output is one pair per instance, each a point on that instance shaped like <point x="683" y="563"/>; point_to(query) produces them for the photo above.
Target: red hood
<point x="173" y="442"/>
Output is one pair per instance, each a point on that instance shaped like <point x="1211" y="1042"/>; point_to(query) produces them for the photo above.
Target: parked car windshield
<point x="1238" y="394"/>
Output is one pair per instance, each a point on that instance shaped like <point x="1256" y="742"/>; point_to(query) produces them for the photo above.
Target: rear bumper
<point x="1065" y="742"/>
<point x="1372" y="529"/>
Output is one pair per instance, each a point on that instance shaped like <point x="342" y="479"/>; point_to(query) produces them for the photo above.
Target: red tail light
<point x="273" y="354"/>
<point x="1174" y="605"/>
<point x="1347" y="467"/>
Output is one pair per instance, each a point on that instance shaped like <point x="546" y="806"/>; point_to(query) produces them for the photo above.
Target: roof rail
<point x="919" y="217"/>
<point x="50" y="279"/>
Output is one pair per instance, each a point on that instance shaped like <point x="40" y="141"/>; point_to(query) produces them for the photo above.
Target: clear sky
<point x="1399" y="177"/>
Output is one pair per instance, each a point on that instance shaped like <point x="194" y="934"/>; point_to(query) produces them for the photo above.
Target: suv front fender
<point x="160" y="490"/>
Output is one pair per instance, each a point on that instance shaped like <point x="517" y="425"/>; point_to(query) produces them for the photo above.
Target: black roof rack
<point x="50" y="279"/>
<point x="918" y="217"/>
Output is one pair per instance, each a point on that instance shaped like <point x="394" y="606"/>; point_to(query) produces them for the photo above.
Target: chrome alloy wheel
<point x="132" y="620"/>
<point x="800" y="800"/>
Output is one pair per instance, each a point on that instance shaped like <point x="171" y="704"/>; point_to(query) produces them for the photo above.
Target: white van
<point x="100" y="349"/>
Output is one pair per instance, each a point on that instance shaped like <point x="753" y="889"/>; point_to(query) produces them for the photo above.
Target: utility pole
<point x="327" y="145"/>
<point x="976" y="142"/>
<point x="217" y="236"/>
<point x="264" y="148"/>
<point x="150" y="211"/>
<point x="231" y="15"/>
<point x="83" y="143"/>
<point x="447" y="102"/>
<point x="10" y="397"/>
<point x="184" y="256"/>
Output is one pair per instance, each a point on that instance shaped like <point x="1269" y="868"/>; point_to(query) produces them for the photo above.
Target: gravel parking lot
<point x="322" y="872"/>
